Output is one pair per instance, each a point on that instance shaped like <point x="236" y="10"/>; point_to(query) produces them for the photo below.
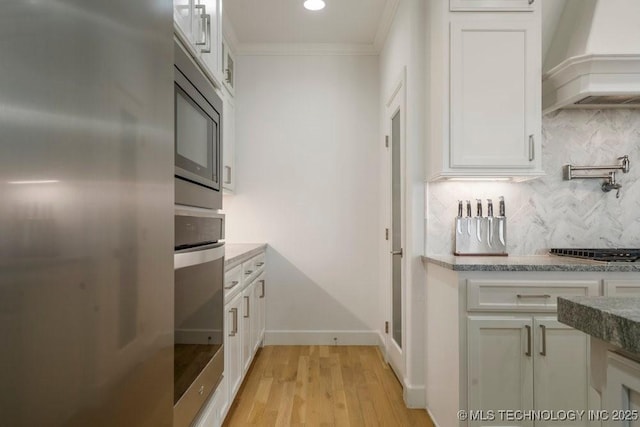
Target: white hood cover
<point x="594" y="57"/>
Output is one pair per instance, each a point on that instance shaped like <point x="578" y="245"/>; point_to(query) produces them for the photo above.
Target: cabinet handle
<point x="531" y="2"/>
<point x="528" y="352"/>
<point x="260" y="264"/>
<point x="233" y="284"/>
<point x="520" y="296"/>
<point x="543" y="352"/>
<point x="262" y="283"/>
<point x="248" y="307"/>
<point x="532" y="148"/>
<point x="234" y="331"/>
<point x="207" y="34"/>
<point x="248" y="272"/>
<point x="203" y="13"/>
<point x="227" y="180"/>
<point x="229" y="76"/>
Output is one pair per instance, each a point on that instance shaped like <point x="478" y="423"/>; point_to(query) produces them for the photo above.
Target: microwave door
<point x="196" y="147"/>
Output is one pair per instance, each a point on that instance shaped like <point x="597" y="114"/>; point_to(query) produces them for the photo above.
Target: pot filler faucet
<point x="609" y="174"/>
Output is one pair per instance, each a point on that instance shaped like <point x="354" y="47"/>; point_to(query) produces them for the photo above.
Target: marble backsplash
<point x="550" y="212"/>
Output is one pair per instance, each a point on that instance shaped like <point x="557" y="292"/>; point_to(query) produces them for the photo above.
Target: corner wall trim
<point x="414" y="396"/>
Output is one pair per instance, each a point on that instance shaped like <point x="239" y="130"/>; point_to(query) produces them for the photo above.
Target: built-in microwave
<point x="198" y="135"/>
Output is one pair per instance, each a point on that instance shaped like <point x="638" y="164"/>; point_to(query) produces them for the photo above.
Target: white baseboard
<point x="381" y="342"/>
<point x="321" y="338"/>
<point x="414" y="396"/>
<point x="435" y="422"/>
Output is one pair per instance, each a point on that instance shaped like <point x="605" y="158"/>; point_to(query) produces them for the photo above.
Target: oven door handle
<point x="199" y="256"/>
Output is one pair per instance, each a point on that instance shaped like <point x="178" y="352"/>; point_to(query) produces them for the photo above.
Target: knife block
<point x="481" y="236"/>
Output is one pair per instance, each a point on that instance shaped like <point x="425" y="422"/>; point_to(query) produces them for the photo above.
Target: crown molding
<point x="384" y="25"/>
<point x="302" y="49"/>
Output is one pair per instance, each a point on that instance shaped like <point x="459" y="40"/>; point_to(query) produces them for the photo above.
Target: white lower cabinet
<point x="495" y="348"/>
<point x="247" y="344"/>
<point x="233" y="345"/>
<point x="526" y="362"/>
<point x="244" y="311"/>
<point x="560" y="369"/>
<point x="500" y="365"/>
<point x="622" y="393"/>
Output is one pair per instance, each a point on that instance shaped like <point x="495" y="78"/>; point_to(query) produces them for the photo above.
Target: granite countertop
<point x="235" y="253"/>
<point x="615" y="320"/>
<point x="528" y="263"/>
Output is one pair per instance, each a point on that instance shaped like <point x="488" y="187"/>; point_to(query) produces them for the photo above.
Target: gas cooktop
<point x="609" y="255"/>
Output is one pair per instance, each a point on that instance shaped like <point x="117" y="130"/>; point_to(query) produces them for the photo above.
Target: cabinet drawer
<point x="249" y="270"/>
<point x="259" y="263"/>
<point x="525" y="295"/>
<point x="232" y="281"/>
<point x="622" y="288"/>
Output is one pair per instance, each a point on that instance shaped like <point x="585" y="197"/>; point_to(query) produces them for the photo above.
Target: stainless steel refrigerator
<point x="86" y="213"/>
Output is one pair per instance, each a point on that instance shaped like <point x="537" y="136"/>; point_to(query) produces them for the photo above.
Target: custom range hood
<point x="593" y="60"/>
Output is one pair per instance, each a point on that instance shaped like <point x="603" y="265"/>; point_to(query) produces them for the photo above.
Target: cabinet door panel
<point x="495" y="95"/>
<point x="228" y="152"/>
<point x="561" y="369"/>
<point x="183" y="17"/>
<point x="247" y="344"/>
<point x="233" y="345"/>
<point x="492" y="5"/>
<point x="622" y="391"/>
<point x="622" y="288"/>
<point x="210" y="51"/>
<point x="500" y="365"/>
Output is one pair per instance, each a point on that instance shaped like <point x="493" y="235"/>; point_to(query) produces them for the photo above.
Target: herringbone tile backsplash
<point x="550" y="212"/>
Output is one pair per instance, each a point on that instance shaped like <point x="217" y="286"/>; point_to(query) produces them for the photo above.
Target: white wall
<point x="307" y="184"/>
<point x="405" y="47"/>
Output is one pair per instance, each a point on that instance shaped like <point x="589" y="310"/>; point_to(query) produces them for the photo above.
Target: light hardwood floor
<point x="322" y="386"/>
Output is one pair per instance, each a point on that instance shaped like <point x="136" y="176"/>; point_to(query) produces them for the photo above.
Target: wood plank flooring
<point x="322" y="386"/>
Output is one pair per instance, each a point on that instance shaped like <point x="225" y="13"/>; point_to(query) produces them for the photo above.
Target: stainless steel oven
<point x="199" y="310"/>
<point x="198" y="135"/>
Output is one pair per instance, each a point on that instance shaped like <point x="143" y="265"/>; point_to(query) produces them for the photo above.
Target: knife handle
<point x="479" y="208"/>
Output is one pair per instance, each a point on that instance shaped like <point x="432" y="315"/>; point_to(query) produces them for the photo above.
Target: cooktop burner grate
<point x="610" y="255"/>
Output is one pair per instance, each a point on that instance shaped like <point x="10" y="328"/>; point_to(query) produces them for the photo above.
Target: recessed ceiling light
<point x="314" y="4"/>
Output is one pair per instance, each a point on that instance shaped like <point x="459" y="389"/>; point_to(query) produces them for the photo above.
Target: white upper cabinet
<point x="228" y="150"/>
<point x="198" y="24"/>
<point x="228" y="66"/>
<point x="495" y="94"/>
<point x="484" y="80"/>
<point x="183" y="18"/>
<point x="210" y="19"/>
<point x="492" y="5"/>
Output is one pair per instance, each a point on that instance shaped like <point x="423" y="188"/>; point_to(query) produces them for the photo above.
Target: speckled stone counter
<point x="235" y="253"/>
<point x="615" y="320"/>
<point x="527" y="263"/>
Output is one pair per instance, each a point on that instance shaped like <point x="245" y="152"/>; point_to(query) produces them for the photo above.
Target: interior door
<point x="396" y="328"/>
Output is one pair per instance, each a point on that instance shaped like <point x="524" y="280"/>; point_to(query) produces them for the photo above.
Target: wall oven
<point x="199" y="310"/>
<point x="198" y="135"/>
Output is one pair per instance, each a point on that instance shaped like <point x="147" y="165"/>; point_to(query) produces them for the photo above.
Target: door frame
<point x="396" y="101"/>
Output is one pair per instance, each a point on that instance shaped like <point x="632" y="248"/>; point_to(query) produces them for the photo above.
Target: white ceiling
<point x="288" y="22"/>
<point x="285" y="25"/>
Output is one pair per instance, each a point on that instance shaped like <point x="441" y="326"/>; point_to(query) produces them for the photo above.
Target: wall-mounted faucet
<point x="611" y="184"/>
<point x="609" y="177"/>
